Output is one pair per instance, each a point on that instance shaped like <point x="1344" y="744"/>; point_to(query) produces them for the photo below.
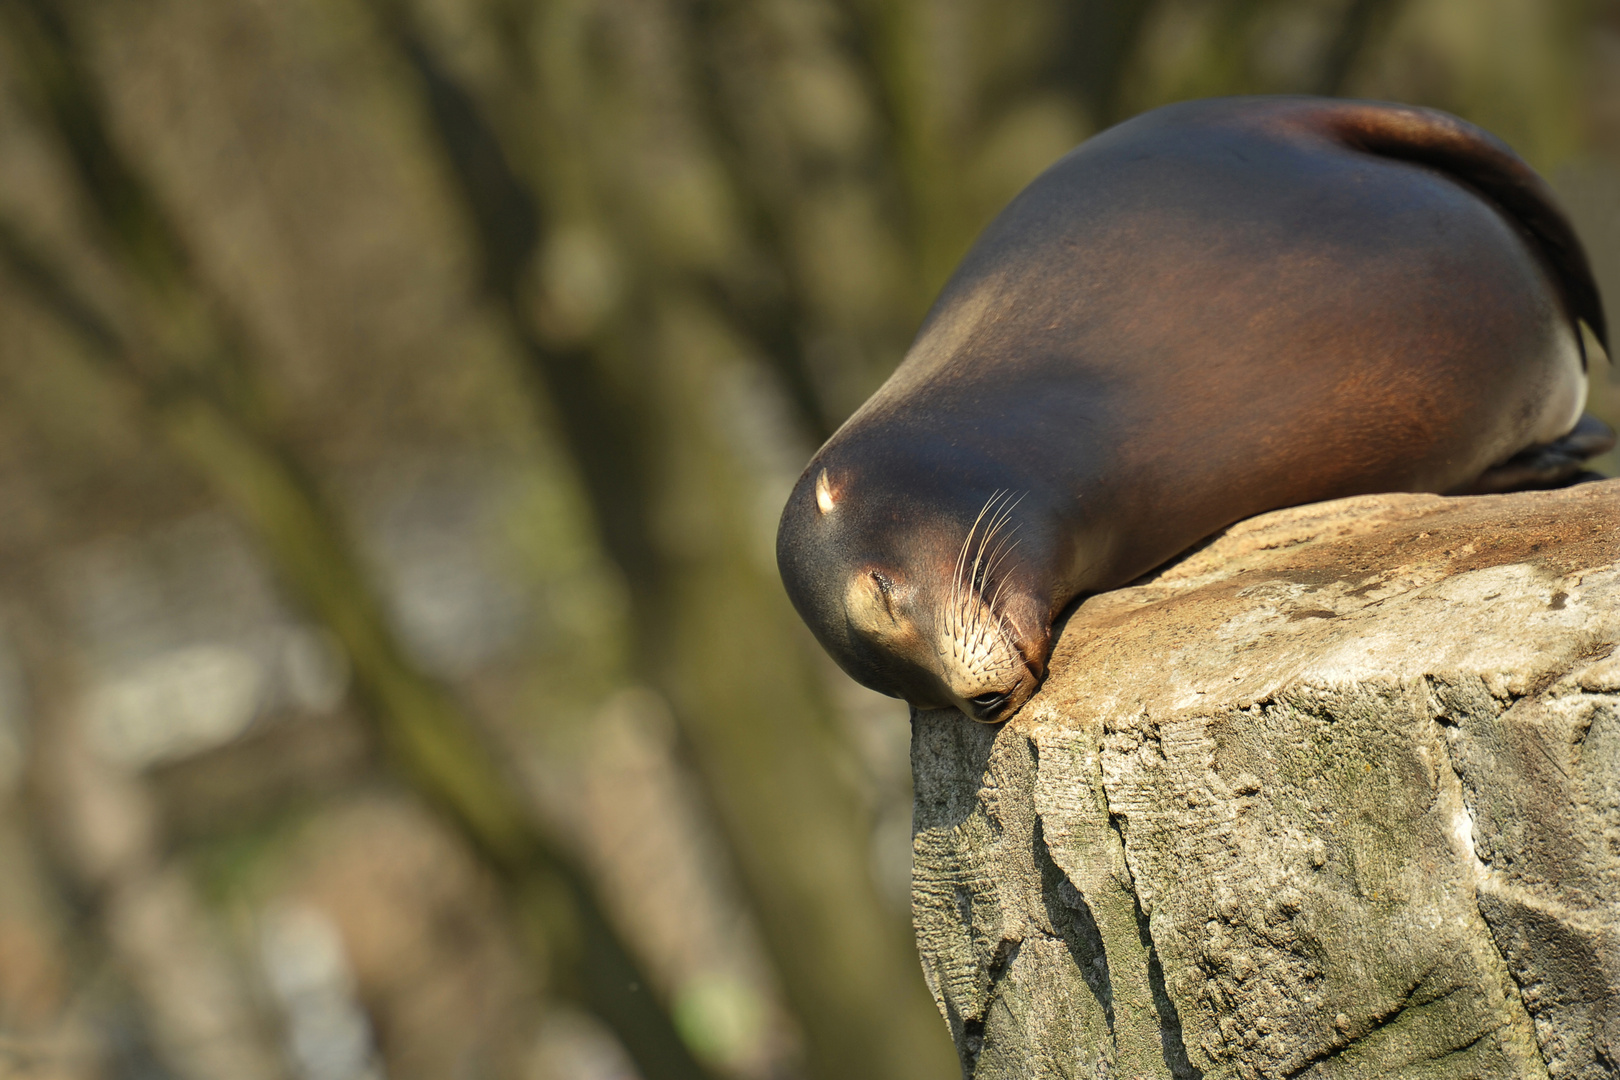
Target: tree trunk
<point x="1337" y="795"/>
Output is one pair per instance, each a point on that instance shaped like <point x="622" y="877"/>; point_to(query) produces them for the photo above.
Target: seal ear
<point x="826" y="498"/>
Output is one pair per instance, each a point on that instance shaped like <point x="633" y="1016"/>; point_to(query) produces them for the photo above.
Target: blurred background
<point x="396" y="401"/>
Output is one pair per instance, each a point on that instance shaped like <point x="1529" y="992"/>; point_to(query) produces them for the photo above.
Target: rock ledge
<point x="1337" y="795"/>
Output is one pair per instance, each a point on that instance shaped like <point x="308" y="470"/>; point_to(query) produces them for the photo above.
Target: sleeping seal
<point x="1213" y="310"/>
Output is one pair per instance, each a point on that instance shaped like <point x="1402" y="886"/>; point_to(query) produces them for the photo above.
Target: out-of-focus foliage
<point x="396" y="398"/>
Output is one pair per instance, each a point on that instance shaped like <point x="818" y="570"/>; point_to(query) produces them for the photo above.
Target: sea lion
<point x="1213" y="310"/>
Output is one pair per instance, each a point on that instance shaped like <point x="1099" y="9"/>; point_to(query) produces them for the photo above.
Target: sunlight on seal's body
<point x="1213" y="310"/>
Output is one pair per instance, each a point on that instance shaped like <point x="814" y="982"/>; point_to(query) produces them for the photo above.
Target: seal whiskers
<point x="974" y="641"/>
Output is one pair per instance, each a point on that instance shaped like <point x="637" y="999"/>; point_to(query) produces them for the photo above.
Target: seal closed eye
<point x="1213" y="310"/>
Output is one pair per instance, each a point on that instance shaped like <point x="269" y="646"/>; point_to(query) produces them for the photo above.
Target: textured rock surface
<point x="1336" y="796"/>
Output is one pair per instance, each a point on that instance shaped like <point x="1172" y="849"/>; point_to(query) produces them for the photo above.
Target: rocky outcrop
<point x="1337" y="795"/>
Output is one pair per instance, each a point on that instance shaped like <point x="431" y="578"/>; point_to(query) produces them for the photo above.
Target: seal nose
<point x="994" y="706"/>
<point x="987" y="706"/>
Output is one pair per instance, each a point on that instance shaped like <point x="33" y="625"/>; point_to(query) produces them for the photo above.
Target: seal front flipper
<point x="1560" y="462"/>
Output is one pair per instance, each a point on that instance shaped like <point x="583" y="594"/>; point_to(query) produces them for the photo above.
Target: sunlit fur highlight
<point x="975" y="643"/>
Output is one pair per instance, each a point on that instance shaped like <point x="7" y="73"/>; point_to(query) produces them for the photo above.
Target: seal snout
<point x="984" y="663"/>
<point x="994" y="706"/>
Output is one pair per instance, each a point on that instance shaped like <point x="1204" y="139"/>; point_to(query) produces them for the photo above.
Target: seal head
<point x="941" y="624"/>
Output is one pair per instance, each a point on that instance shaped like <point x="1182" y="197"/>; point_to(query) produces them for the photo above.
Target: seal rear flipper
<point x="1479" y="160"/>
<point x="1557" y="464"/>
